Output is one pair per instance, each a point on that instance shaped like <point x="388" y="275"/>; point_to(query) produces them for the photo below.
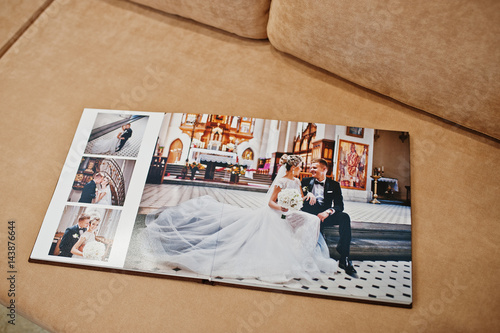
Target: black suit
<point x="124" y="137"/>
<point x="71" y="236"/>
<point x="88" y="192"/>
<point x="332" y="199"/>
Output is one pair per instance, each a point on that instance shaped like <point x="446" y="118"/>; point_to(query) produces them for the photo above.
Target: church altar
<point x="393" y="182"/>
<point x="214" y="158"/>
<point x="204" y="156"/>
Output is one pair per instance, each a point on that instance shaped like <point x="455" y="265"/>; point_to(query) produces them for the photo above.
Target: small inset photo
<point x="102" y="181"/>
<point x="117" y="134"/>
<point x="85" y="232"/>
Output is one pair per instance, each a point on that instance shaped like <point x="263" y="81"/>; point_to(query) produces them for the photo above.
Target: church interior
<point x="219" y="146"/>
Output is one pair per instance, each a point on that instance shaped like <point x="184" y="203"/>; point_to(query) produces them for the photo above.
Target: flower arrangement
<point x="237" y="169"/>
<point x="94" y="250"/>
<point x="290" y="199"/>
<point x="196" y="166"/>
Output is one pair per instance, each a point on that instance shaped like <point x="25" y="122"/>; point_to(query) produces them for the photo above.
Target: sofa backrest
<point x="442" y="57"/>
<point x="437" y="56"/>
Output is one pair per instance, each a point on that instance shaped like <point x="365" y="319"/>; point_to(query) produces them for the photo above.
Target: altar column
<point x="164" y="130"/>
<point x="171" y="129"/>
<point x="290" y="135"/>
<point x="282" y="136"/>
<point x="265" y="139"/>
<point x="257" y="135"/>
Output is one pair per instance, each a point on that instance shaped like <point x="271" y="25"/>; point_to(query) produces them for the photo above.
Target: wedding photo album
<point x="313" y="209"/>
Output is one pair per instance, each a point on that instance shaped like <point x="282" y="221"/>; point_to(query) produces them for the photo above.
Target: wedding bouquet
<point x="290" y="199"/>
<point x="94" y="250"/>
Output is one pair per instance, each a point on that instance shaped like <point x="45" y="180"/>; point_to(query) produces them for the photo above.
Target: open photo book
<point x="316" y="209"/>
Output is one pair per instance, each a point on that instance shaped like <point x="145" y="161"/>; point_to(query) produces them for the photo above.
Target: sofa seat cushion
<point x="440" y="57"/>
<point x="246" y="18"/>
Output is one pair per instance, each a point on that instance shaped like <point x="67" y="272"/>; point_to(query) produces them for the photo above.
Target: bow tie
<point x="319" y="183"/>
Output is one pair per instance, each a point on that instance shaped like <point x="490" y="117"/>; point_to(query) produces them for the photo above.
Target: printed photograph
<point x="102" y="181"/>
<point x="85" y="232"/>
<point x="117" y="134"/>
<point x="291" y="206"/>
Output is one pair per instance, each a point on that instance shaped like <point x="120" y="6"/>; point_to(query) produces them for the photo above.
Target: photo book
<point x="315" y="209"/>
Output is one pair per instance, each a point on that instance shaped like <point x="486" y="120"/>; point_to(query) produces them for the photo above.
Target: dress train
<point x="216" y="239"/>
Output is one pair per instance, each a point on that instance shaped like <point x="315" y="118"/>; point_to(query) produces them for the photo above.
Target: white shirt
<point x="319" y="192"/>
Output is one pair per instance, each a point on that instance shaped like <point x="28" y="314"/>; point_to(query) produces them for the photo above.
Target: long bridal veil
<point x="216" y="239"/>
<point x="104" y="146"/>
<point x="279" y="175"/>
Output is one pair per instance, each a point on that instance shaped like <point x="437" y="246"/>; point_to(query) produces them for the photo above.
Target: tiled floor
<point x="385" y="281"/>
<point x="131" y="147"/>
<point x="157" y="196"/>
<point x="378" y="213"/>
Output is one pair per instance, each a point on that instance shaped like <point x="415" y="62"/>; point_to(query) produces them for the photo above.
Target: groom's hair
<point x="83" y="216"/>
<point x="321" y="161"/>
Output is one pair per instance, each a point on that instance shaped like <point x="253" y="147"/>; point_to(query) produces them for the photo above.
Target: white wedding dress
<point x="216" y="239"/>
<point x="106" y="199"/>
<point x="89" y="237"/>
<point x="104" y="146"/>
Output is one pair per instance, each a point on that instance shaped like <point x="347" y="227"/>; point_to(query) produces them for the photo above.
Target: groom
<point x="127" y="133"/>
<point x="72" y="234"/>
<point x="88" y="192"/>
<point x="324" y="199"/>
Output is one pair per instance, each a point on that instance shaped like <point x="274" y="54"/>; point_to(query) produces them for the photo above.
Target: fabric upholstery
<point x="14" y="14"/>
<point x="115" y="54"/>
<point x="438" y="56"/>
<point x="246" y="18"/>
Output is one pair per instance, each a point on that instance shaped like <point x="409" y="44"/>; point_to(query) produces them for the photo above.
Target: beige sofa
<point x="429" y="68"/>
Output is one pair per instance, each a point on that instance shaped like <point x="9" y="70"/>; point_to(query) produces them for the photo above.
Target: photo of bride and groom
<point x="91" y="237"/>
<point x="102" y="181"/>
<point x="276" y="243"/>
<point x="114" y="134"/>
<point x="287" y="223"/>
<point x="112" y="145"/>
<point x="97" y="191"/>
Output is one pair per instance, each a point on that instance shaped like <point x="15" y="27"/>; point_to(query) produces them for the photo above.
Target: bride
<point x="104" y="146"/>
<point x="216" y="239"/>
<point x="103" y="193"/>
<point x="87" y="238"/>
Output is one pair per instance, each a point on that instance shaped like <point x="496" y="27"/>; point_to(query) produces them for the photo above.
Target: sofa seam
<point x="20" y="32"/>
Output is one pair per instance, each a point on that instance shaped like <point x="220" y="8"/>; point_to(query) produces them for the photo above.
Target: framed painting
<point x="352" y="160"/>
<point x="355" y="131"/>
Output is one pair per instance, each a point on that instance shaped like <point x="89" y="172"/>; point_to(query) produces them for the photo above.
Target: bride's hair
<point x="290" y="160"/>
<point x="108" y="179"/>
<point x="95" y="218"/>
<point x="93" y="214"/>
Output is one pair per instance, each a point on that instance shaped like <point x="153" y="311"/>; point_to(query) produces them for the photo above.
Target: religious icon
<point x="351" y="165"/>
